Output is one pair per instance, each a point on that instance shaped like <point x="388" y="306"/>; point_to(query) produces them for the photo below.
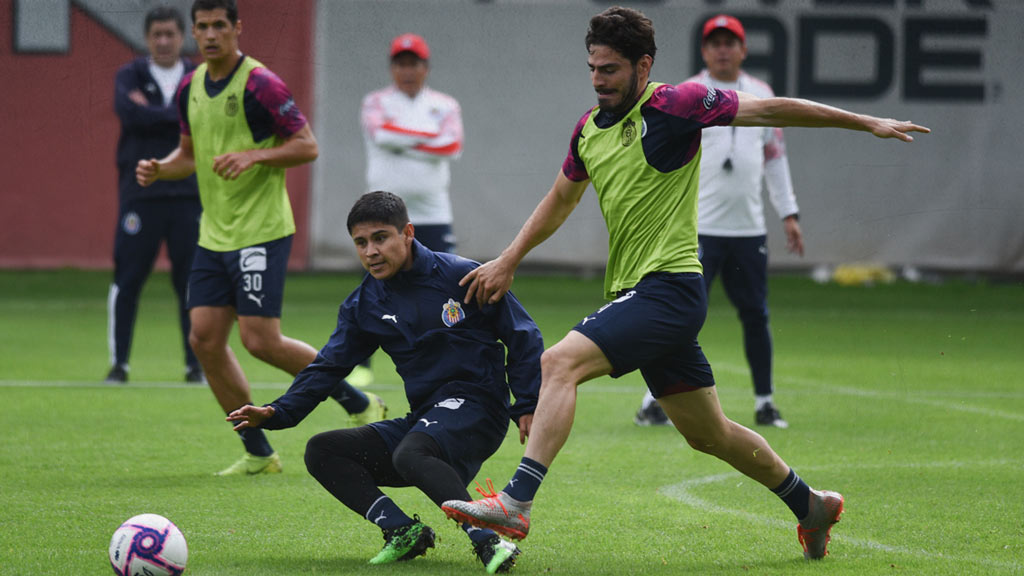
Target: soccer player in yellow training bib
<point x="640" y="148"/>
<point x="240" y="130"/>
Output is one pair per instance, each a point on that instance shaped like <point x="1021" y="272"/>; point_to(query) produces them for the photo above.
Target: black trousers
<point x="142" y="225"/>
<point x="352" y="463"/>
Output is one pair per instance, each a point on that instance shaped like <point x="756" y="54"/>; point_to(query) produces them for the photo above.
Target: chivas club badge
<point x="231" y="106"/>
<point x="628" y="132"/>
<point x="451" y="313"/>
<point x="131" y="224"/>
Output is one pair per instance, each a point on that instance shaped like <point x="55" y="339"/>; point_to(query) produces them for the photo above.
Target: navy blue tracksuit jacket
<point x="441" y="346"/>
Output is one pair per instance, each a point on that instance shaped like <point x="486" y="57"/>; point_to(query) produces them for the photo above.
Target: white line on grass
<point x="170" y="385"/>
<point x="821" y="385"/>
<point x="682" y="492"/>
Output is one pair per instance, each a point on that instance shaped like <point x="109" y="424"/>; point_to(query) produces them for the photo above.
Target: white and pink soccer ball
<point x="148" y="544"/>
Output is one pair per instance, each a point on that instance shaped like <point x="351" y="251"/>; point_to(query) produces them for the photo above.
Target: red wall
<point x="58" y="133"/>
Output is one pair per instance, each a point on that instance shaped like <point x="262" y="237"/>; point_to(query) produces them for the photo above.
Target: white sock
<point x="760" y="401"/>
<point x="648" y="400"/>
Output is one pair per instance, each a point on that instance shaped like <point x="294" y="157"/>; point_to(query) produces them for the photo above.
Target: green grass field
<point x="906" y="398"/>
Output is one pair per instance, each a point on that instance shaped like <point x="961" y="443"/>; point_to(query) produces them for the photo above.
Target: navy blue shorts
<point x="437" y="237"/>
<point x="250" y="280"/>
<point x="467" y="433"/>
<point x="653" y="328"/>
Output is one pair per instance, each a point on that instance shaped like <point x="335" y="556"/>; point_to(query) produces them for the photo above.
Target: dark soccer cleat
<point x="497" y="511"/>
<point x="497" y="555"/>
<point x="194" y="375"/>
<point x="117" y="375"/>
<point x="653" y="415"/>
<point x="815" y="529"/>
<point x="405" y="543"/>
<point x="769" y="415"/>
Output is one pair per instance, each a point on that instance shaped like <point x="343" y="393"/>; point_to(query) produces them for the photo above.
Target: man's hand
<point x="890" y="128"/>
<point x="146" y="171"/>
<point x="489" y="282"/>
<point x="231" y="165"/>
<point x="250" y="416"/>
<point x="525" y="422"/>
<point x="138" y="97"/>
<point x="794" y="236"/>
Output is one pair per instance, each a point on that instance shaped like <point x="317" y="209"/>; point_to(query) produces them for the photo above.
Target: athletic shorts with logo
<point x="467" y="433"/>
<point x="251" y="280"/>
<point x="653" y="327"/>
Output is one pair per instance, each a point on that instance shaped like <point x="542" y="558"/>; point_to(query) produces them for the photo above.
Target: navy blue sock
<point x="478" y="535"/>
<point x="255" y="441"/>
<point x="524" y="484"/>
<point x="351" y="398"/>
<point x="795" y="493"/>
<point x="387" y="515"/>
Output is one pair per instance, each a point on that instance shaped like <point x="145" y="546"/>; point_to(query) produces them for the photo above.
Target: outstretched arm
<point x="491" y="281"/>
<point x="754" y="111"/>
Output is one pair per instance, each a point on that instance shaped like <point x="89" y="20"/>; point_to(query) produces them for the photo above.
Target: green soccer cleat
<point x="497" y="511"/>
<point x="497" y="555"/>
<point x="250" y="465"/>
<point x="360" y="376"/>
<point x="405" y="543"/>
<point x="375" y="411"/>
<point x="814" y="530"/>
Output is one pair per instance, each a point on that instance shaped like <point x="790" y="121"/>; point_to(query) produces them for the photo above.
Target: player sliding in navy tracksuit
<point x="454" y="368"/>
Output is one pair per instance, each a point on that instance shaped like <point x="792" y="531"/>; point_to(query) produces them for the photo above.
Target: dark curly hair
<point x="378" y="206"/>
<point x="624" y="30"/>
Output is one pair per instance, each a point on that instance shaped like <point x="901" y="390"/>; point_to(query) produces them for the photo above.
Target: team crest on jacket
<point x="131" y="224"/>
<point x="231" y="106"/>
<point x="451" y="313"/>
<point x="628" y="132"/>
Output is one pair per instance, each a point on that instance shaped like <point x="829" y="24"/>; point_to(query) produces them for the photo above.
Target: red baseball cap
<point x="727" y="22"/>
<point x="410" y="43"/>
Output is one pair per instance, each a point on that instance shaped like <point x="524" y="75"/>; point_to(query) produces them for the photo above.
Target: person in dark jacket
<point x="459" y="361"/>
<point x="165" y="212"/>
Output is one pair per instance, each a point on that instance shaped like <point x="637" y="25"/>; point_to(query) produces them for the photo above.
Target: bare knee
<point x="259" y="345"/>
<point x="710" y="437"/>
<point x="706" y="443"/>
<point x="203" y="342"/>
<point x="558" y="368"/>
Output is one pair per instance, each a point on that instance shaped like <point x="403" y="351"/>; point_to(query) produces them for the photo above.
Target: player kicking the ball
<point x="640" y="147"/>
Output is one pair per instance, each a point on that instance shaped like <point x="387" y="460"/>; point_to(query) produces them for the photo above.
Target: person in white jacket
<point x="737" y="165"/>
<point x="412" y="134"/>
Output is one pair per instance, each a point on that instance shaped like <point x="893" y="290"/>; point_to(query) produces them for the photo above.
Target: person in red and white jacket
<point x="412" y="134"/>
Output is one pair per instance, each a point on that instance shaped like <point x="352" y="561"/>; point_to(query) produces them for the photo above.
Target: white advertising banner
<point x="951" y="200"/>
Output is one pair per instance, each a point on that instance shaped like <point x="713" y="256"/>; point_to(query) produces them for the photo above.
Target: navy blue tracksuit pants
<point x="742" y="263"/>
<point x="144" y="223"/>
